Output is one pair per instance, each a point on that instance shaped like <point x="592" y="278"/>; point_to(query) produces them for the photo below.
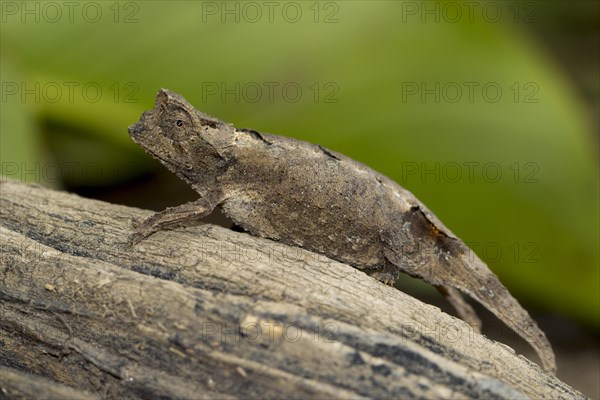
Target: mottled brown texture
<point x="301" y="194"/>
<point x="207" y="312"/>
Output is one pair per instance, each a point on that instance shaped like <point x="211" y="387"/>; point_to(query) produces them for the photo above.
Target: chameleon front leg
<point x="462" y="307"/>
<point x="169" y="218"/>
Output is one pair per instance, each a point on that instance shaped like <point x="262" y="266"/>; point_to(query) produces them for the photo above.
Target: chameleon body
<point x="304" y="195"/>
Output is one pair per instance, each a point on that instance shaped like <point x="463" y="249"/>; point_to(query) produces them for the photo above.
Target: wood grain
<point x="206" y="312"/>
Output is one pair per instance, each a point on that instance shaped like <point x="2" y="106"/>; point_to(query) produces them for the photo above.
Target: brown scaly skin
<point x="304" y="195"/>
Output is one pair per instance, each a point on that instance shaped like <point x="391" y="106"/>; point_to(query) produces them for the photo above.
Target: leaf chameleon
<point x="304" y="195"/>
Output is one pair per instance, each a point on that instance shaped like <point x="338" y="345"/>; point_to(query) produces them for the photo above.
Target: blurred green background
<point x="486" y="110"/>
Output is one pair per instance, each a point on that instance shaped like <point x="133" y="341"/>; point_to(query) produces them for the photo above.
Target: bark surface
<point x="206" y="312"/>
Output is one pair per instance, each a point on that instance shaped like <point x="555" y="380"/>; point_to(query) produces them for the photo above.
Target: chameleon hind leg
<point x="388" y="275"/>
<point x="462" y="307"/>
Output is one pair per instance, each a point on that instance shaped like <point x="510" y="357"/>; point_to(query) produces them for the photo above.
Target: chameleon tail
<point x="480" y="283"/>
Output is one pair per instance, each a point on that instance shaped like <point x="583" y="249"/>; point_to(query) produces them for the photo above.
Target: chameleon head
<point x="182" y="138"/>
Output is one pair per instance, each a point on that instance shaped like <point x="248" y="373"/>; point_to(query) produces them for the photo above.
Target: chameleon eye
<point x="179" y="122"/>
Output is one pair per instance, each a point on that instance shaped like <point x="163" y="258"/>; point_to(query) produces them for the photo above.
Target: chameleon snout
<point x="145" y="123"/>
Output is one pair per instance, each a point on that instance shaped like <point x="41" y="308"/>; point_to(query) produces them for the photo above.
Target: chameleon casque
<point x="304" y="195"/>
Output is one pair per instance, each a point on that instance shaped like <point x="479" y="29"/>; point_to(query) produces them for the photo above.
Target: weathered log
<point x="206" y="312"/>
